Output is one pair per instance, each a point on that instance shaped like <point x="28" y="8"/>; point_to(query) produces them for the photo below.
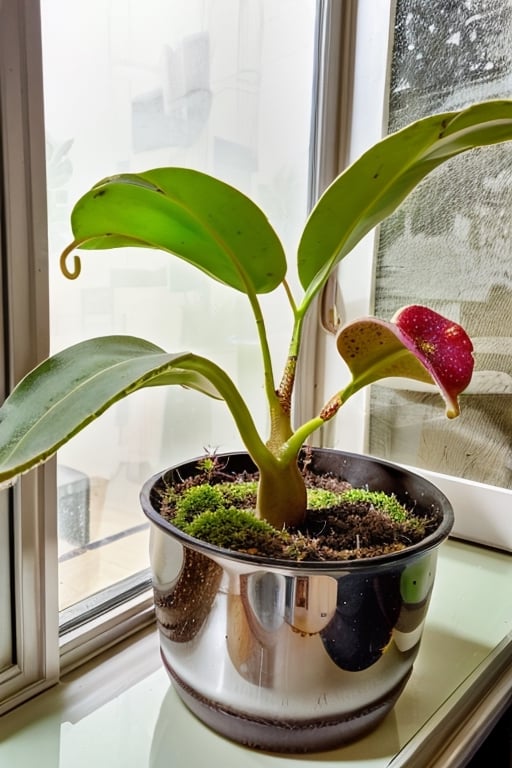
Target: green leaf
<point x="190" y="214"/>
<point x="373" y="187"/>
<point x="69" y="390"/>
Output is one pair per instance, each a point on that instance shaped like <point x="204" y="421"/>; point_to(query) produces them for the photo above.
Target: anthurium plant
<point x="222" y="232"/>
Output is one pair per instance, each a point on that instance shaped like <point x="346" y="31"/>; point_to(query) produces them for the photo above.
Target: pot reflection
<point x="264" y="609"/>
<point x="367" y="609"/>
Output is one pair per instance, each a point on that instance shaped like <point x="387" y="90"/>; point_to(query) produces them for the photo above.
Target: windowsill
<point x="121" y="711"/>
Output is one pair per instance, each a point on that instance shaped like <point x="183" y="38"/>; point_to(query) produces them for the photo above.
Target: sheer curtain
<point x="223" y="86"/>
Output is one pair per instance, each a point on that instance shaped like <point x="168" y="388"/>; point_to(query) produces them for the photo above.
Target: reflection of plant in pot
<point x="216" y="228"/>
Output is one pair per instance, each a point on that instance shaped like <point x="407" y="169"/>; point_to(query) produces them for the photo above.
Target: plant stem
<point x="289" y="296"/>
<point x="268" y="374"/>
<point x="329" y="410"/>
<point x="287" y="383"/>
<point x="281" y="489"/>
<point x="256" y="448"/>
<point x="296" y="441"/>
<point x="282" y="495"/>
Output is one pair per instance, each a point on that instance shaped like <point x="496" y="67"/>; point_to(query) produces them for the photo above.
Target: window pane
<point x="449" y="245"/>
<point x="223" y="86"/>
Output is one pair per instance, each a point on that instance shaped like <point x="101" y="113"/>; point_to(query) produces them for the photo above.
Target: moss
<point x="341" y="523"/>
<point x="417" y="526"/>
<point x="320" y="498"/>
<point x="196" y="500"/>
<point x="221" y="514"/>
<point x="239" y="494"/>
<point x="387" y="503"/>
<point x="233" y="528"/>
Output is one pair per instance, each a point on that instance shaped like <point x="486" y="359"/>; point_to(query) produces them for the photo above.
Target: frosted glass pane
<point x="223" y="86"/>
<point x="450" y="245"/>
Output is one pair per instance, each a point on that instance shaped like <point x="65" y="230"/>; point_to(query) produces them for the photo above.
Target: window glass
<point x="223" y="86"/>
<point x="449" y="245"/>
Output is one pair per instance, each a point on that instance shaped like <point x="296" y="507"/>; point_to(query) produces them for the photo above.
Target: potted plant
<point x="277" y="654"/>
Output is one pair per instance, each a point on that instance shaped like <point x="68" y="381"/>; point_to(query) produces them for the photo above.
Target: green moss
<point x="232" y="529"/>
<point x="222" y="514"/>
<point x="209" y="498"/>
<point x="196" y="500"/>
<point x="319" y="498"/>
<point x="417" y="525"/>
<point x="239" y="494"/>
<point x="387" y="503"/>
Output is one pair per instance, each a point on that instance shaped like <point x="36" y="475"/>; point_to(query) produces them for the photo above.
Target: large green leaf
<point x="373" y="187"/>
<point x="69" y="390"/>
<point x="190" y="214"/>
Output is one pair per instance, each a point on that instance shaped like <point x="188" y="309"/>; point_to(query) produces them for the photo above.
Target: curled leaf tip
<point x="73" y="273"/>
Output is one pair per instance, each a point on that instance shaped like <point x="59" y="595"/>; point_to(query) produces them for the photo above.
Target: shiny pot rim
<point x="321" y="459"/>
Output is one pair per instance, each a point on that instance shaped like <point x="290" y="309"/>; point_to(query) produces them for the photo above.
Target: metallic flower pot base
<point x="293" y="657"/>
<point x="279" y="735"/>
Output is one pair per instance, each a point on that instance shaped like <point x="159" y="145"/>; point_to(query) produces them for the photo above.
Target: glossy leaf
<point x="190" y="214"/>
<point x="375" y="184"/>
<point x="420" y="344"/>
<point x="69" y="390"/>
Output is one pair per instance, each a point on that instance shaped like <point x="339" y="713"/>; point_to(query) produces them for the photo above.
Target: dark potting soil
<point x="352" y="530"/>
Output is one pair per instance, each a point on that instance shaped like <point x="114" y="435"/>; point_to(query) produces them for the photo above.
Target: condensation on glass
<point x="450" y="244"/>
<point x="223" y="86"/>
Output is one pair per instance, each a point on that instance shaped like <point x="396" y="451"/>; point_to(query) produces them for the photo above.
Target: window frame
<point x="25" y="334"/>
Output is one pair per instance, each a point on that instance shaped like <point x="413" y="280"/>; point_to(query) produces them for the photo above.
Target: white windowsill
<point x="120" y="710"/>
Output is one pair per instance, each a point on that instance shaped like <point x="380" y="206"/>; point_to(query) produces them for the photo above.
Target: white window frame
<point x="24" y="291"/>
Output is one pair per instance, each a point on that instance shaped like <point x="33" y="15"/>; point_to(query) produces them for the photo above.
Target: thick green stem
<point x="299" y="315"/>
<point x="282" y="495"/>
<point x="280" y="429"/>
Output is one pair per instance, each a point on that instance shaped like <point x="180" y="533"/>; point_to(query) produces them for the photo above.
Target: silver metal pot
<point x="293" y="657"/>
